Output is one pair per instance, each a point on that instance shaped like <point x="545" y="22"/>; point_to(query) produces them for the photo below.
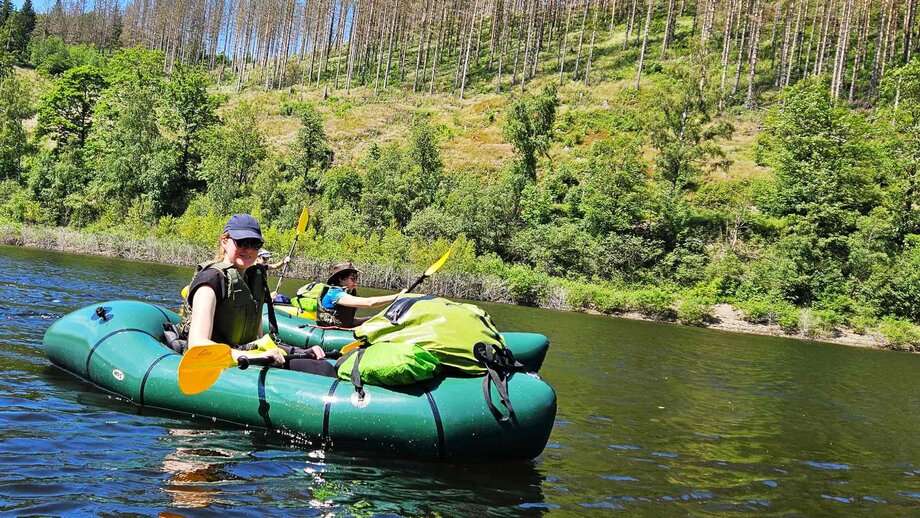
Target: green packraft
<point x="388" y="364"/>
<point x="309" y="295"/>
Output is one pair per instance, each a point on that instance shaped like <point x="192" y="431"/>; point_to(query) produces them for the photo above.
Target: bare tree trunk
<point x="752" y="64"/>
<point x="843" y="45"/>
<point x="648" y="20"/>
<point x="591" y="47"/>
<point x="669" y="28"/>
<point x="469" y="45"/>
<point x="565" y="39"/>
<point x="437" y="45"/>
<point x="581" y="38"/>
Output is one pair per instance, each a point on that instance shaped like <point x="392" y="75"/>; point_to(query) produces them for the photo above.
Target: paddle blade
<point x="302" y="222"/>
<point x="437" y="266"/>
<point x="201" y="366"/>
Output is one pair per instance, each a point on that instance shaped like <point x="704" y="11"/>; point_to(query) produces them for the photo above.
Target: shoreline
<point x="728" y="318"/>
<point x="725" y="316"/>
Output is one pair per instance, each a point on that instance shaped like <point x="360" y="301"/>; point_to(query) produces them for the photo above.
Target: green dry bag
<point x="389" y="364"/>
<point x="448" y="330"/>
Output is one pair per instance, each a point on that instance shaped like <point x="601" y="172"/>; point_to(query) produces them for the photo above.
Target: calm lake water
<point x="653" y="420"/>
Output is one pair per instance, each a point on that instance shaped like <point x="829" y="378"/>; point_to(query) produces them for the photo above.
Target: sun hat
<point x="338" y="269"/>
<point x="243" y="226"/>
<point x="264" y="254"/>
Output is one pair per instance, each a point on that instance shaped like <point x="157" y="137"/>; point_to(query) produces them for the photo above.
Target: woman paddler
<point x="226" y="297"/>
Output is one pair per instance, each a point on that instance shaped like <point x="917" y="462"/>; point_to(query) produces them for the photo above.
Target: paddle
<point x="432" y="269"/>
<point x="301" y="226"/>
<point x="201" y="366"/>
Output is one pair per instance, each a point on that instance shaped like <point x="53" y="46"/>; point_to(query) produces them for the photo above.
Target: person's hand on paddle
<point x="317" y="352"/>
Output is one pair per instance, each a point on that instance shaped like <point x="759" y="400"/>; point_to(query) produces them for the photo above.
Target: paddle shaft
<point x="416" y="283"/>
<point x="245" y="362"/>
<point x="285" y="267"/>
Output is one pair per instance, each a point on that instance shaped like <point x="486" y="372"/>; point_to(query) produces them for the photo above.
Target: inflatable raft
<point x="118" y="346"/>
<point x="529" y="348"/>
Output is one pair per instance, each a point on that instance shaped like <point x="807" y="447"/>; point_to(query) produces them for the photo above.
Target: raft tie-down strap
<point x="328" y="408"/>
<point x="89" y="356"/>
<point x="264" y="406"/>
<point x="438" y="423"/>
<point x="147" y="375"/>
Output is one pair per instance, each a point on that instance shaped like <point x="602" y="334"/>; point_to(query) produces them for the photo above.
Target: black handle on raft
<point x="245" y="361"/>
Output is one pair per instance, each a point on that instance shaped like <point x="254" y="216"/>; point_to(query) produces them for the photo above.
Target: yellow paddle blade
<point x="302" y="222"/>
<point x="437" y="266"/>
<point x="354" y="345"/>
<point x="184" y="292"/>
<point x="201" y="366"/>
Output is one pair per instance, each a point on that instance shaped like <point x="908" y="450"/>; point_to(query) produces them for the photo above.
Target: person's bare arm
<point x="352" y="301"/>
<point x="202" y="324"/>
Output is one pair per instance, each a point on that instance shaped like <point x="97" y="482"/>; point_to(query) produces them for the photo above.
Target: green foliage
<point x="769" y="312"/>
<point x="15" y="107"/>
<point x="611" y="301"/>
<point x="529" y="128"/>
<point x="579" y="296"/>
<point x="311" y="154"/>
<point x="561" y="249"/>
<point x="654" y="302"/>
<point x="233" y="151"/>
<point x="683" y="133"/>
<point x="895" y="290"/>
<point x="65" y="112"/>
<point x="527" y="286"/>
<point x="49" y="55"/>
<point x="900" y="334"/>
<point x="900" y="117"/>
<point x="615" y="194"/>
<point x="189" y="112"/>
<point x="693" y="312"/>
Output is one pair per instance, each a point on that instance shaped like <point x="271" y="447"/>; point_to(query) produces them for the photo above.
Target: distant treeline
<point x="123" y="144"/>
<point x="451" y="45"/>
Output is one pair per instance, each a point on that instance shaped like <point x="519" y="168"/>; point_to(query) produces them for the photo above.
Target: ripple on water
<point x="623" y="447"/>
<point x="602" y="505"/>
<point x="619" y="478"/>
<point x="826" y="465"/>
<point x="841" y="499"/>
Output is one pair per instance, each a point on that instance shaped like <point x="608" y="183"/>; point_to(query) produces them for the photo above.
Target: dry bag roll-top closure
<point x="419" y="336"/>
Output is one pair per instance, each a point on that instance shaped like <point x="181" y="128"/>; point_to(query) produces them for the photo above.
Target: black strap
<point x="272" y="321"/>
<point x="356" y="375"/>
<point x="500" y="379"/>
<point x="499" y="363"/>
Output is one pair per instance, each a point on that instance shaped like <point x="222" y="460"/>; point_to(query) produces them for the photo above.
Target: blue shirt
<point x="332" y="296"/>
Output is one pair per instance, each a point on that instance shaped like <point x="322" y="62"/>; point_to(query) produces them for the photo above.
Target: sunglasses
<point x="249" y="242"/>
<point x="353" y="277"/>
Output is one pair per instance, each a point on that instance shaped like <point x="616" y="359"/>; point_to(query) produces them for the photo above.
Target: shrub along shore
<point x="515" y="287"/>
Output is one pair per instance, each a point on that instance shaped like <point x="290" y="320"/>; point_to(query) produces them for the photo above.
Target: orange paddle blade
<point x="202" y="365"/>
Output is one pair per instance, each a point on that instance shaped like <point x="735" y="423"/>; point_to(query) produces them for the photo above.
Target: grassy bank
<point x="517" y="285"/>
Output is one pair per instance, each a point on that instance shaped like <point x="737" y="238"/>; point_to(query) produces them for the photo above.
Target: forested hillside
<point x="615" y="155"/>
